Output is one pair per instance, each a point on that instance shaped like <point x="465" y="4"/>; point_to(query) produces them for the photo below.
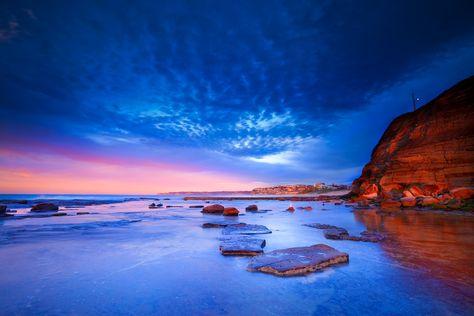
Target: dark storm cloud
<point x="246" y="78"/>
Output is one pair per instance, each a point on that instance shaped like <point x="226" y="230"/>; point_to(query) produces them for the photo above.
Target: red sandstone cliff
<point x="426" y="152"/>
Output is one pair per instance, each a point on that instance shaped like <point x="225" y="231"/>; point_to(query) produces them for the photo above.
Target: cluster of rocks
<point x="339" y="233"/>
<point x="241" y="239"/>
<point x="417" y="196"/>
<point x="220" y="210"/>
<point x="155" y="205"/>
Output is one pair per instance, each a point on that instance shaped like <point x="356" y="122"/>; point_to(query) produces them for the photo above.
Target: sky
<point x="156" y="96"/>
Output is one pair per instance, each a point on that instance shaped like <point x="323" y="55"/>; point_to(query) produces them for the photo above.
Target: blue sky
<point x="263" y="92"/>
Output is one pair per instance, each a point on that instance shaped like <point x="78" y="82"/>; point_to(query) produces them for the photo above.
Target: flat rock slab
<point x="258" y="211"/>
<point x="336" y="233"/>
<point x="339" y="233"/>
<point x="241" y="246"/>
<point x="320" y="226"/>
<point x="217" y="224"/>
<point x="298" y="261"/>
<point x="245" y="229"/>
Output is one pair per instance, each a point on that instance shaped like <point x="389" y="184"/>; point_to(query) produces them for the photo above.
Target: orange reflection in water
<point x="439" y="243"/>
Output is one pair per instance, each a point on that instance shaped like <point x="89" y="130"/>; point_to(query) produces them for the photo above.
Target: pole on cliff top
<point x="413" y="100"/>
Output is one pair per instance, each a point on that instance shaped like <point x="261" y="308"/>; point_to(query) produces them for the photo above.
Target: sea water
<point x="125" y="259"/>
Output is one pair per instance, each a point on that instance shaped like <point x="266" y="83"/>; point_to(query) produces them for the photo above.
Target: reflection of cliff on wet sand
<point x="441" y="244"/>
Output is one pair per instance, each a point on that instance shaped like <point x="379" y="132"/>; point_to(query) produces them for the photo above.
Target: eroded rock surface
<point x="428" y="152"/>
<point x="298" y="260"/>
<point x="245" y="229"/>
<point x="241" y="246"/>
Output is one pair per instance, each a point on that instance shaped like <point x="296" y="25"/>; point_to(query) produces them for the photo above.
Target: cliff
<point x="299" y="189"/>
<point x="427" y="152"/>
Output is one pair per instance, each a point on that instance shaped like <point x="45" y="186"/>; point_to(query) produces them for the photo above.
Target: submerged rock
<point x="306" y="208"/>
<point x="251" y="208"/>
<point x="216" y="225"/>
<point x="339" y="233"/>
<point x="298" y="260"/>
<point x="242" y="246"/>
<point x="196" y="206"/>
<point x="336" y="233"/>
<point x="213" y="209"/>
<point x="82" y="213"/>
<point x="290" y="209"/>
<point x="59" y="214"/>
<point x="44" y="207"/>
<point x="153" y="205"/>
<point x="3" y="210"/>
<point x="230" y="211"/>
<point x="245" y="229"/>
<point x="320" y="226"/>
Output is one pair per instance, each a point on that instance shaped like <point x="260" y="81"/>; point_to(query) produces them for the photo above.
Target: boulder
<point x="3" y="210"/>
<point x="213" y="209"/>
<point x="298" y="260"/>
<point x="454" y="204"/>
<point x="44" y="207"/>
<point x="390" y="205"/>
<point x="82" y="213"/>
<point x="241" y="246"/>
<point x="371" y="192"/>
<point x="245" y="229"/>
<point x="290" y="209"/>
<point x="408" y="201"/>
<point x="407" y="193"/>
<point x="428" y="201"/>
<point x="251" y="208"/>
<point x="231" y="211"/>
<point x="463" y="193"/>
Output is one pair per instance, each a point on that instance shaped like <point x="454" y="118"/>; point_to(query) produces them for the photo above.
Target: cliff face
<point x="428" y="152"/>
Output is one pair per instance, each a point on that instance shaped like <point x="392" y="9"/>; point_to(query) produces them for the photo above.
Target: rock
<point x="408" y="201"/>
<point x="59" y="214"/>
<point x="196" y="206"/>
<point x="371" y="236"/>
<point x="245" y="229"/>
<point x="152" y="206"/>
<point x="463" y="193"/>
<point x="3" y="210"/>
<point x="338" y="203"/>
<point x="407" y="193"/>
<point x="82" y="213"/>
<point x="370" y="192"/>
<point x="213" y="209"/>
<point x="297" y="261"/>
<point x="454" y="204"/>
<point x="44" y="207"/>
<point x="306" y="208"/>
<point x="215" y="225"/>
<point x="320" y="226"/>
<point x="231" y="211"/>
<point x="251" y="208"/>
<point x="336" y="233"/>
<point x="290" y="209"/>
<point x="259" y="211"/>
<point x="173" y="206"/>
<point x="242" y="246"/>
<point x="428" y="201"/>
<point x="390" y="205"/>
<point x="428" y="151"/>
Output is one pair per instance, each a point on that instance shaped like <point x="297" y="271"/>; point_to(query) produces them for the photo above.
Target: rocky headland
<point x="425" y="158"/>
